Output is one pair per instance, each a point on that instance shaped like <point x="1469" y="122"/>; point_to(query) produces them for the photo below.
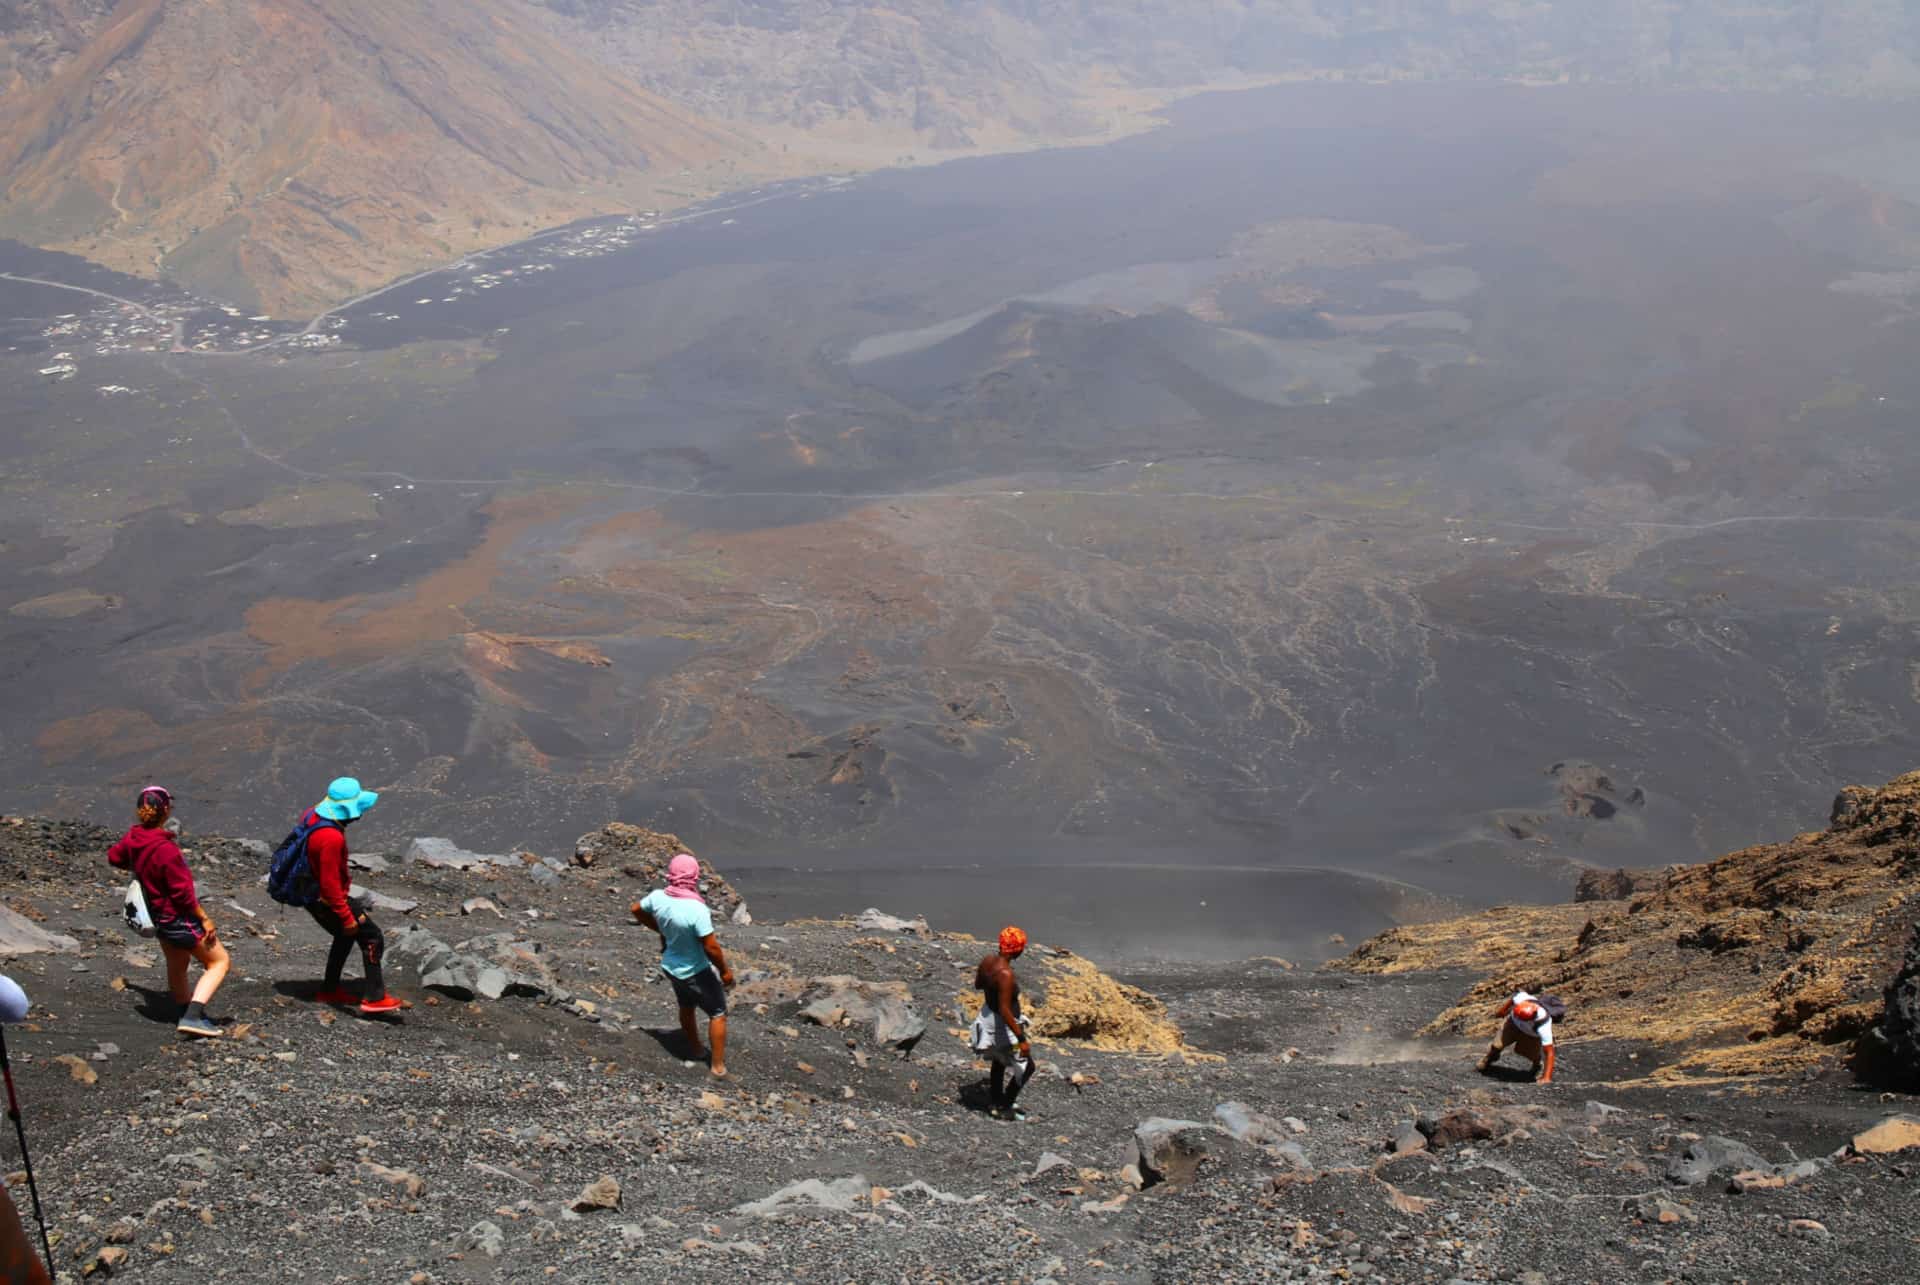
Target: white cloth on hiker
<point x="13" y="1001"/>
<point x="1540" y="1028"/>
<point x="990" y="1032"/>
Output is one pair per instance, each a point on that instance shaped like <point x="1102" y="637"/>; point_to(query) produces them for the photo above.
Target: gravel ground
<point x="452" y="1143"/>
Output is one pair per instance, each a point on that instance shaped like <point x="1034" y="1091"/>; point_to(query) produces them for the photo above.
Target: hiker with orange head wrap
<point x="1528" y="1030"/>
<point x="998" y="1033"/>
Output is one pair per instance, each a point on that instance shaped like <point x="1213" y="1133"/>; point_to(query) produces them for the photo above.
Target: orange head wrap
<point x="1527" y="1011"/>
<point x="1012" y="940"/>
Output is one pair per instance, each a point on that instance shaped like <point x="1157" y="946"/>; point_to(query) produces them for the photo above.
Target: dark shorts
<point x="702" y="991"/>
<point x="183" y="934"/>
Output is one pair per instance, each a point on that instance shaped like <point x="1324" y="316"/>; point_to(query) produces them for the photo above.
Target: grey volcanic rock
<point x="1244" y="1124"/>
<point x="878" y="921"/>
<point x="484" y="1237"/>
<point x="381" y="901"/>
<point x="446" y="855"/>
<point x="1406" y="1139"/>
<point x="487" y="967"/>
<point x="19" y="935"/>
<point x="895" y="1023"/>
<point x="1709" y="1156"/>
<point x="839" y="1194"/>
<point x="1169" y="1151"/>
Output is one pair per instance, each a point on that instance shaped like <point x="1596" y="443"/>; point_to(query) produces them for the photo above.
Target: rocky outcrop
<point x="1782" y="950"/>
<point x="885" y="1009"/>
<point x="445" y="854"/>
<point x="470" y="122"/>
<point x="642" y="856"/>
<point x="486" y="967"/>
<point x="1889" y="1054"/>
<point x="1615" y="885"/>
<point x="21" y="936"/>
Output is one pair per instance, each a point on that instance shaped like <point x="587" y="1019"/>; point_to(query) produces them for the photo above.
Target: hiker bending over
<point x="998" y="1033"/>
<point x="349" y="924"/>
<point x="183" y="928"/>
<point x="691" y="957"/>
<point x="1528" y="1029"/>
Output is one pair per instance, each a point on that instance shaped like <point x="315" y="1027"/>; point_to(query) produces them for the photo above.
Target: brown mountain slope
<point x="1765" y="960"/>
<point x="295" y="152"/>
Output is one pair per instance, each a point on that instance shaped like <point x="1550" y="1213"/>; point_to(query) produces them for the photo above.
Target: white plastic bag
<point x="138" y="917"/>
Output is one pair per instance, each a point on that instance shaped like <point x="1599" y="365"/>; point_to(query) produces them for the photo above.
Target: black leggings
<point x="370" y="939"/>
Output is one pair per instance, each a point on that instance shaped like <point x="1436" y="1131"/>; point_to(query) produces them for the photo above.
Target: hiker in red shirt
<point x="183" y="928"/>
<point x="334" y="910"/>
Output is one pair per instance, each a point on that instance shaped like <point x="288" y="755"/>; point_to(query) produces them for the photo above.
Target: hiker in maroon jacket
<point x="183" y="928"/>
<point x="334" y="910"/>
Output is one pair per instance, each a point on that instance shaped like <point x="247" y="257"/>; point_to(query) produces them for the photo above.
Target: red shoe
<point x="336" y="995"/>
<point x="385" y="1004"/>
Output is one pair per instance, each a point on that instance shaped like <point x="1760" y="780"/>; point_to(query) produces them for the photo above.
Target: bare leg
<point x="215" y="961"/>
<point x="177" y="961"/>
<point x="690" y="1028"/>
<point x="717" y="1032"/>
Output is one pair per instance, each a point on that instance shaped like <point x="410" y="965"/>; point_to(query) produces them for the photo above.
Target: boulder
<point x="602" y="1193"/>
<point x="381" y="901"/>
<point x="872" y="920"/>
<point x="1406" y="1139"/>
<point x="1455" y="1127"/>
<point x="885" y="1007"/>
<point x="642" y="855"/>
<point x="841" y="1195"/>
<point x="371" y="862"/>
<point x="1242" y="1123"/>
<point x="486" y="967"/>
<point x="1169" y="1151"/>
<point x="19" y="935"/>
<point x="444" y="854"/>
<point x="1710" y="1156"/>
<point x="484" y="1237"/>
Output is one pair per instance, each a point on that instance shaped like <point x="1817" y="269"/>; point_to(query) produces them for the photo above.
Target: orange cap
<point x="1012" y="940"/>
<point x="1526" y="1011"/>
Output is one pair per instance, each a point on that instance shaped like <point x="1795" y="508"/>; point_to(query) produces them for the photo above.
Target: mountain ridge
<point x="287" y="154"/>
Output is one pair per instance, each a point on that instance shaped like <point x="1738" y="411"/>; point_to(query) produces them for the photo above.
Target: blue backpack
<point x="290" y="879"/>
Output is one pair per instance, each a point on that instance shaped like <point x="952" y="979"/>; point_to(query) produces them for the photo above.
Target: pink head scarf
<point x="683" y="877"/>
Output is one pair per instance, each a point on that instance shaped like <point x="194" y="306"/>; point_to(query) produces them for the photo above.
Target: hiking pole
<point x="13" y="1114"/>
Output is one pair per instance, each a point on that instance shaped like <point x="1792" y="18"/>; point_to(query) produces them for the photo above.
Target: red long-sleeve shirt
<point x="155" y="860"/>
<point x="327" y="858"/>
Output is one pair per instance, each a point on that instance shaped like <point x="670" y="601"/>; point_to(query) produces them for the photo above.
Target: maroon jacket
<point x="327" y="858"/>
<point x="156" y="862"/>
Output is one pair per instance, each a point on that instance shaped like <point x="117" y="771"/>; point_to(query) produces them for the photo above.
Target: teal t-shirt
<point x="683" y="922"/>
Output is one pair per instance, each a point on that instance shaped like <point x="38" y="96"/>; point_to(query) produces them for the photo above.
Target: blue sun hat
<point x="345" y="800"/>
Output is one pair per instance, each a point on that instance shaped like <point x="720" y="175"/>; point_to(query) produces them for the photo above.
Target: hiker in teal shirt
<point x="691" y="957"/>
